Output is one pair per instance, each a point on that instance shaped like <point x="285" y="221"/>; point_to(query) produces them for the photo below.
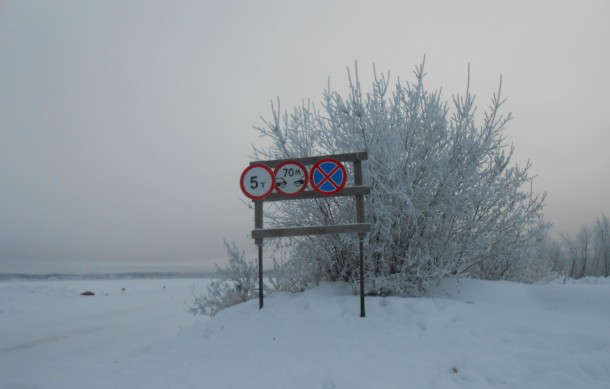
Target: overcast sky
<point x="125" y="125"/>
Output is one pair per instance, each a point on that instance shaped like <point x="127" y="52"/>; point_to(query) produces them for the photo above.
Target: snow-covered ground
<point x="468" y="334"/>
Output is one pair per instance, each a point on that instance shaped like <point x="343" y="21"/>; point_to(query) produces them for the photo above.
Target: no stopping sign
<point x="328" y="176"/>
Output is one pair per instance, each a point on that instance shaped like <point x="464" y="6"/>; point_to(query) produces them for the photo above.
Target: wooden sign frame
<point x="358" y="190"/>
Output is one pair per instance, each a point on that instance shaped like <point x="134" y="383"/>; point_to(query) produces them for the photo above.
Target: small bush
<point x="237" y="284"/>
<point x="294" y="276"/>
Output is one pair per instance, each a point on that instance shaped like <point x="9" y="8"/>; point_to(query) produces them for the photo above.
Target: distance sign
<point x="290" y="178"/>
<point x="328" y="176"/>
<point x="257" y="181"/>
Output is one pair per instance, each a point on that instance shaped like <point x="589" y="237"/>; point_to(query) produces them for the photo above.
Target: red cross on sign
<point x="328" y="176"/>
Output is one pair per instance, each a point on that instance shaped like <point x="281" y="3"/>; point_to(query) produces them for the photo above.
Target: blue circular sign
<point x="328" y="176"/>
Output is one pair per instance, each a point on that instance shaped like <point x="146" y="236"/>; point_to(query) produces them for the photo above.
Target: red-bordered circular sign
<point x="328" y="176"/>
<point x="257" y="181"/>
<point x="291" y="178"/>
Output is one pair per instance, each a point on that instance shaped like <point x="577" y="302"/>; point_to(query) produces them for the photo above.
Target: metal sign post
<point x="328" y="177"/>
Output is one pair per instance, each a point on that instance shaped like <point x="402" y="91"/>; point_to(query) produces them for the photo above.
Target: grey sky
<point x="125" y="125"/>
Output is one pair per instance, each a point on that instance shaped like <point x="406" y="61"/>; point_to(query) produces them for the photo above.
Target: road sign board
<point x="290" y="178"/>
<point x="257" y="181"/>
<point x="328" y="176"/>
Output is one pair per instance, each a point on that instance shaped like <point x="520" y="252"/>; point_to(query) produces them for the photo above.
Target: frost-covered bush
<point x="238" y="283"/>
<point x="537" y="263"/>
<point x="294" y="276"/>
<point x="445" y="198"/>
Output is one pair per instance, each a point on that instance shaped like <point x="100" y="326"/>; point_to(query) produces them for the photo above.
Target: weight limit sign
<point x="257" y="181"/>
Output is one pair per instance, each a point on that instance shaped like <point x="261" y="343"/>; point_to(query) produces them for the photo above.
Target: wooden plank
<point x="312" y="194"/>
<point x="359" y="228"/>
<point x="348" y="157"/>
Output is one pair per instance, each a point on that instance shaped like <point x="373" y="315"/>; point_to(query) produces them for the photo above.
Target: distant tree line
<point x="585" y="254"/>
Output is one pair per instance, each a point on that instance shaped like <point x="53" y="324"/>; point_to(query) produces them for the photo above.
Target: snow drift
<point x="467" y="334"/>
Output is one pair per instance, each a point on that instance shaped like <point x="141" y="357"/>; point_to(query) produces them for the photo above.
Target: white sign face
<point x="257" y="181"/>
<point x="290" y="178"/>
